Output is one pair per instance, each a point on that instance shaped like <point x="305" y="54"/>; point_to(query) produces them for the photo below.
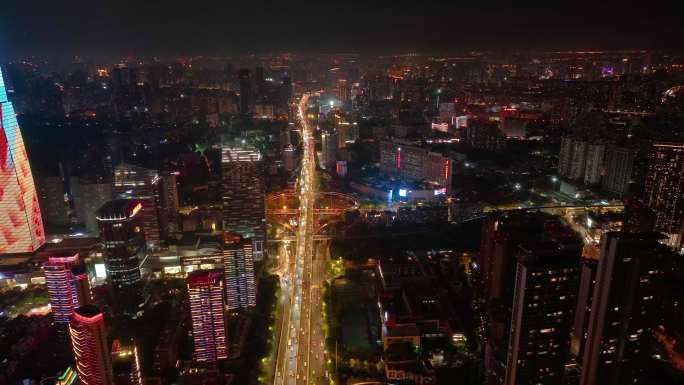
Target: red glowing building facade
<point x="21" y="225"/>
<point x="89" y="343"/>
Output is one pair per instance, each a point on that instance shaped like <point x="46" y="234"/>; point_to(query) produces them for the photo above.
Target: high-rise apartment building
<point x="206" y="297"/>
<point x="89" y="343"/>
<point x="546" y="282"/>
<point x="613" y="325"/>
<point x="664" y="189"/>
<point x="565" y="156"/>
<point x="244" y="210"/>
<point x="594" y="164"/>
<point x="246" y="91"/>
<point x="67" y="284"/>
<point x="121" y="233"/>
<point x="578" y="161"/>
<point x="239" y="272"/>
<point x="530" y="267"/>
<point x="21" y="224"/>
<point x="143" y="185"/>
<point x="328" y="149"/>
<point x="618" y="165"/>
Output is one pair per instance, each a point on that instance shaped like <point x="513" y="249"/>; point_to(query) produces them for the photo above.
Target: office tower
<point x="169" y="203"/>
<point x="126" y="364"/>
<point x="89" y="194"/>
<point x="141" y="184"/>
<point x="664" y="189"/>
<point x="67" y="284"/>
<point x="205" y="291"/>
<point x="618" y="165"/>
<point x="530" y="269"/>
<point x="89" y="343"/>
<point x="343" y="92"/>
<point x="239" y="272"/>
<point x="346" y="133"/>
<point x="289" y="158"/>
<point x="244" y="212"/>
<point x="625" y="305"/>
<point x="246" y="91"/>
<point x="286" y="91"/>
<point x="21" y="224"/>
<point x="51" y="198"/>
<point x="121" y="233"/>
<point x="328" y="150"/>
<point x="594" y="164"/>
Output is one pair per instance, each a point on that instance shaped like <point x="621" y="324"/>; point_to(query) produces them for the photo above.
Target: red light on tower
<point x="89" y="343"/>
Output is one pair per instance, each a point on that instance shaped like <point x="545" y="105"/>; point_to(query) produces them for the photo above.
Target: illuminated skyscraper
<point x="21" y="224"/>
<point x="89" y="343"/>
<point x="122" y="236"/>
<point x="239" y="270"/>
<point x="205" y="290"/>
<point x="67" y="285"/>
<point x="244" y="211"/>
<point x="530" y="265"/>
<point x="143" y="185"/>
<point x="664" y="189"/>
<point x="343" y="92"/>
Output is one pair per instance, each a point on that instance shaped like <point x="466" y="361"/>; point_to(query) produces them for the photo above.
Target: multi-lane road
<point x="300" y="352"/>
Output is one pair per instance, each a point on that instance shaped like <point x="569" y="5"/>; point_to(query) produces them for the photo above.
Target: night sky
<point x="46" y="27"/>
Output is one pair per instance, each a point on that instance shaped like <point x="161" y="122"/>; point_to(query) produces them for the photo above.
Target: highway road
<point x="300" y="352"/>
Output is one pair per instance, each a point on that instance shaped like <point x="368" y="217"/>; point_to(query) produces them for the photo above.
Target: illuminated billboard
<point x="21" y="226"/>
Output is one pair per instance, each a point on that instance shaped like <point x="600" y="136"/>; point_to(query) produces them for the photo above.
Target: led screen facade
<point x="21" y="226"/>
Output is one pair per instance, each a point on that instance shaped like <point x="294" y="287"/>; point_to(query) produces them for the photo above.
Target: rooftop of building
<point x="88" y="311"/>
<point x="119" y="209"/>
<point x="240" y="154"/>
<point x="203" y="277"/>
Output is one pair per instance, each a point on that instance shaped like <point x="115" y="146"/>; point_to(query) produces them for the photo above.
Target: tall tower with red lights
<point x="21" y="225"/>
<point x="89" y="343"/>
<point x="205" y="289"/>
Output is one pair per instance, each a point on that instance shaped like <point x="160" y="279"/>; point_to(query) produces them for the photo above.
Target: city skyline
<point x="312" y="193"/>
